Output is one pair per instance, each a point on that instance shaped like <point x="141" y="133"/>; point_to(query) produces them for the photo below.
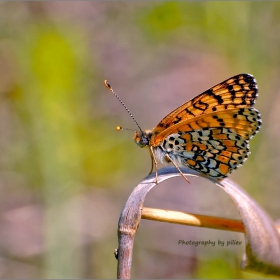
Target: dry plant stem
<point x="190" y="219"/>
<point x="131" y="216"/>
<point x="261" y="234"/>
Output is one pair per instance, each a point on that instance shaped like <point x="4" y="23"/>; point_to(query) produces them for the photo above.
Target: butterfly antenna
<point x="118" y="128"/>
<point x="108" y="86"/>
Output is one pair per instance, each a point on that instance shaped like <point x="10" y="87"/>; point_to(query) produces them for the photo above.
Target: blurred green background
<point x="65" y="173"/>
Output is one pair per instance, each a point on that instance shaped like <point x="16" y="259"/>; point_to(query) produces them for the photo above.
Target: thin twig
<point x="190" y="219"/>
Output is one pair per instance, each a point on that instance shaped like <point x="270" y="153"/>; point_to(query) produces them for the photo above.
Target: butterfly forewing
<point x="239" y="91"/>
<point x="244" y="121"/>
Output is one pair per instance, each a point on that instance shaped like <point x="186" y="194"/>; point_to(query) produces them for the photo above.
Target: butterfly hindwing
<point x="214" y="152"/>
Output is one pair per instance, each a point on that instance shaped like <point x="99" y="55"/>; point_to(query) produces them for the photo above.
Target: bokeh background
<point x="65" y="173"/>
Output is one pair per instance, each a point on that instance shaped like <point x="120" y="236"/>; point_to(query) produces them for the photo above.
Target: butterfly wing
<point x="214" y="152"/>
<point x="211" y="132"/>
<point x="239" y="91"/>
<point x="245" y="122"/>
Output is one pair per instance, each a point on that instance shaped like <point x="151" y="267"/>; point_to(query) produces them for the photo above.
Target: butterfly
<point x="210" y="133"/>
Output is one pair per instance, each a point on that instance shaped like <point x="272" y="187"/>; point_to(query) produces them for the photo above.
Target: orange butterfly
<point x="209" y="133"/>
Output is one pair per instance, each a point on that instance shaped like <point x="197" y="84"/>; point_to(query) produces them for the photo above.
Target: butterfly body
<point x="209" y="133"/>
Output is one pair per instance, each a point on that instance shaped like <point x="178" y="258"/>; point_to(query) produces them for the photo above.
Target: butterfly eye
<point x="145" y="140"/>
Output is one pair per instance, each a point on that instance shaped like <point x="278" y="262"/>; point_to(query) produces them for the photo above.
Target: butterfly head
<point x="142" y="138"/>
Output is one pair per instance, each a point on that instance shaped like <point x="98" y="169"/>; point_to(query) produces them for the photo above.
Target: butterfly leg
<point x="154" y="163"/>
<point x="152" y="160"/>
<point x="167" y="158"/>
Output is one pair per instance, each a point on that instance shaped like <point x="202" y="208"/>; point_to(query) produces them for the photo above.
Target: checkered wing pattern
<point x="211" y="132"/>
